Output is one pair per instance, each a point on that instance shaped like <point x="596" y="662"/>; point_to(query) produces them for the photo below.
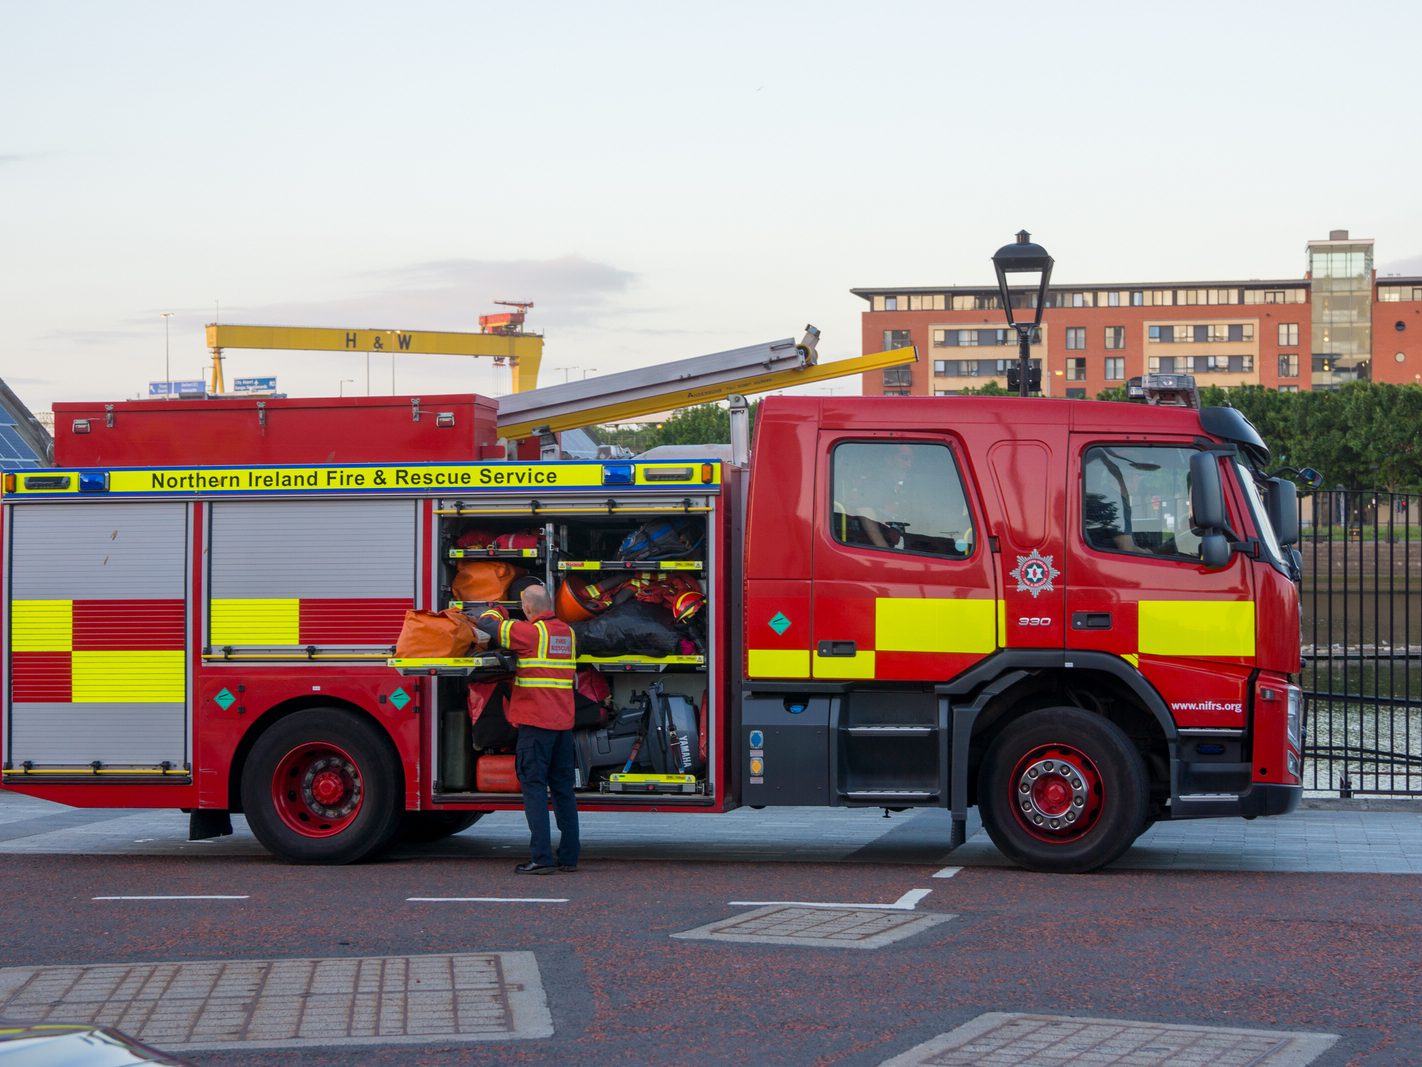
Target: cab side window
<point x="900" y="497"/>
<point x="1137" y="500"/>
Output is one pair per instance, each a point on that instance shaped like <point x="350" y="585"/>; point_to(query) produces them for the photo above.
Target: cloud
<point x="92" y="338"/>
<point x="451" y="294"/>
<point x="21" y="157"/>
<point x="1410" y="267"/>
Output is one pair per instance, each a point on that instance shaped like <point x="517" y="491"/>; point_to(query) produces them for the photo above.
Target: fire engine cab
<point x="1080" y="617"/>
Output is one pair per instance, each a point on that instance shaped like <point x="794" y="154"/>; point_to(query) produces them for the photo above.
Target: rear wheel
<point x="323" y="786"/>
<point x="422" y="827"/>
<point x="1063" y="790"/>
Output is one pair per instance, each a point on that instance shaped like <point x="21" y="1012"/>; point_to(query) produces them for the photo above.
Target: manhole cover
<point x="1003" y="1039"/>
<point x="211" y="1004"/>
<point x="780" y="924"/>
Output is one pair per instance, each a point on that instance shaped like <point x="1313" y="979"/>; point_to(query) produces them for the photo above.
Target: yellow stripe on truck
<point x="42" y="625"/>
<point x="859" y="665"/>
<point x="1196" y="627"/>
<point x="927" y="624"/>
<point x="262" y="622"/>
<point x="129" y="677"/>
<point x="778" y="663"/>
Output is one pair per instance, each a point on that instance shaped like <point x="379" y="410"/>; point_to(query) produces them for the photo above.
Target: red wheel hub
<point x="1057" y="793"/>
<point x="317" y="789"/>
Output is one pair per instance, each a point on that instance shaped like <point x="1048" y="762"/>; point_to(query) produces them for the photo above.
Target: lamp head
<point x="1023" y="257"/>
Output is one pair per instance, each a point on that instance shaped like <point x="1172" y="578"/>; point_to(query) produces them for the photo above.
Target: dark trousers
<point x="546" y="766"/>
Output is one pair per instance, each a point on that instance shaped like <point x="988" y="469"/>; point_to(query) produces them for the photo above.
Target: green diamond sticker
<point x="224" y="700"/>
<point x="780" y="624"/>
<point x="399" y="698"/>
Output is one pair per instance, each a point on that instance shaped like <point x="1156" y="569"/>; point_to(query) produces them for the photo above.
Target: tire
<point x="1063" y="790"/>
<point x="323" y="786"/>
<point x="423" y="827"/>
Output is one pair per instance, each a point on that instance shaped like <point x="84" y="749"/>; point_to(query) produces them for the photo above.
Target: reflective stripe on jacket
<point x="547" y="668"/>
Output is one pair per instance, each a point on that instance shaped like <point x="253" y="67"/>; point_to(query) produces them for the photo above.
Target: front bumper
<point x="1261" y="798"/>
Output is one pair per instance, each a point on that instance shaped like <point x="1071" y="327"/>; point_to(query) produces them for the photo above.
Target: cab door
<point x="1138" y="589"/>
<point x="902" y="583"/>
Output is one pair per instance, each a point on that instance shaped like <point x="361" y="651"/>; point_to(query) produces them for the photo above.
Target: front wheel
<point x="1063" y="790"/>
<point x="323" y="786"/>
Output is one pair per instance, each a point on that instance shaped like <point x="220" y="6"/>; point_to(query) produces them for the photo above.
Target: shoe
<point x="534" y="868"/>
<point x="568" y="868"/>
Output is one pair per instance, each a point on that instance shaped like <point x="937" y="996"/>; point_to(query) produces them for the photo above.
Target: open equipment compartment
<point x="645" y="559"/>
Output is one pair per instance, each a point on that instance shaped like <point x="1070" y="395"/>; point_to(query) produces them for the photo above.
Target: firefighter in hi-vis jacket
<point x="541" y="706"/>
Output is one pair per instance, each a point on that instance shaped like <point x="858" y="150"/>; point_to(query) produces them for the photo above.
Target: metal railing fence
<point x="1362" y="638"/>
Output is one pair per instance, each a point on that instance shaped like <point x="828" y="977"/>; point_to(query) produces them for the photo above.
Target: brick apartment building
<point x="1336" y="324"/>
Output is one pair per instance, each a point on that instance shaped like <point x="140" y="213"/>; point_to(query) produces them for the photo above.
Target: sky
<point x="662" y="180"/>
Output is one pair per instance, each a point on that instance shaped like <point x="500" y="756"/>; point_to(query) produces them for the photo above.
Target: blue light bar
<point x="619" y="474"/>
<point x="94" y="482"/>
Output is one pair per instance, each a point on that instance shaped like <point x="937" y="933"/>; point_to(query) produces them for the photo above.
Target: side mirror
<point x="1207" y="508"/>
<point x="1282" y="502"/>
<point x="1311" y="478"/>
<point x="1214" y="551"/>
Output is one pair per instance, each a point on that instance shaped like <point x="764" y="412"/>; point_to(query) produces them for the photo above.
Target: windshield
<point x="1248" y="478"/>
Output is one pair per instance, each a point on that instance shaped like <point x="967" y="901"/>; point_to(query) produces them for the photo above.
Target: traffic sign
<point x="188" y="387"/>
<point x="254" y="385"/>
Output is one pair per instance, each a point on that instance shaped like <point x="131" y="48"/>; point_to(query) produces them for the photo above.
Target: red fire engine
<point x="1079" y="616"/>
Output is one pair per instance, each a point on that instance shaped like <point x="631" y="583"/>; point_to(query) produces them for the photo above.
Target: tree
<point x="704" y="424"/>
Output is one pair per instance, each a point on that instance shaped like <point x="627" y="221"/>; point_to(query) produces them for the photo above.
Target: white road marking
<point x="904" y="903"/>
<point x="947" y="872"/>
<point x="487" y="900"/>
<point x="212" y="897"/>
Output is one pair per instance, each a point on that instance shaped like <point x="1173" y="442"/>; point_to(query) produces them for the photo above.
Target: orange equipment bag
<point x="496" y="774"/>
<point x="434" y="635"/>
<point x="484" y="580"/>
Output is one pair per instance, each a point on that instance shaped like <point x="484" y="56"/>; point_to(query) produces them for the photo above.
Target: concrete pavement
<point x="1322" y="837"/>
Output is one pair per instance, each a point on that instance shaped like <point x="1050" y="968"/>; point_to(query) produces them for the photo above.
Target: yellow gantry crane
<point x="502" y="338"/>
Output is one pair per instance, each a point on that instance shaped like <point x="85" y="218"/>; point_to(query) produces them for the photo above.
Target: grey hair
<point x="536" y="598"/>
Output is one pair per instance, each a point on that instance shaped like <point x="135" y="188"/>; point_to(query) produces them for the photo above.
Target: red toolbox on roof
<point x="229" y="430"/>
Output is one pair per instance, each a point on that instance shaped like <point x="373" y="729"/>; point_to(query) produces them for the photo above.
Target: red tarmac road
<point x="1335" y="953"/>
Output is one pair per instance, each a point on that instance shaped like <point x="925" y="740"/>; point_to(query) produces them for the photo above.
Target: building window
<point x="1288" y="333"/>
<point x="1288" y="365"/>
<point x="1161" y="364"/>
<point x="1115" y="337"/>
<point x="1288" y="388"/>
<point x="1219" y="364"/>
<point x="1076" y="394"/>
<point x="1075" y="338"/>
<point x="898" y="378"/>
<point x="1200" y="334"/>
<point x="891" y="303"/>
<point x="1137" y="298"/>
<point x="1076" y="369"/>
<point x="940" y="366"/>
<point x="1115" y="369"/>
<point x="897" y="339"/>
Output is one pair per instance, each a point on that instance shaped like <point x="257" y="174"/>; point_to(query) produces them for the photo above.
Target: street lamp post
<point x="1023" y="257"/>
<point x="167" y="372"/>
